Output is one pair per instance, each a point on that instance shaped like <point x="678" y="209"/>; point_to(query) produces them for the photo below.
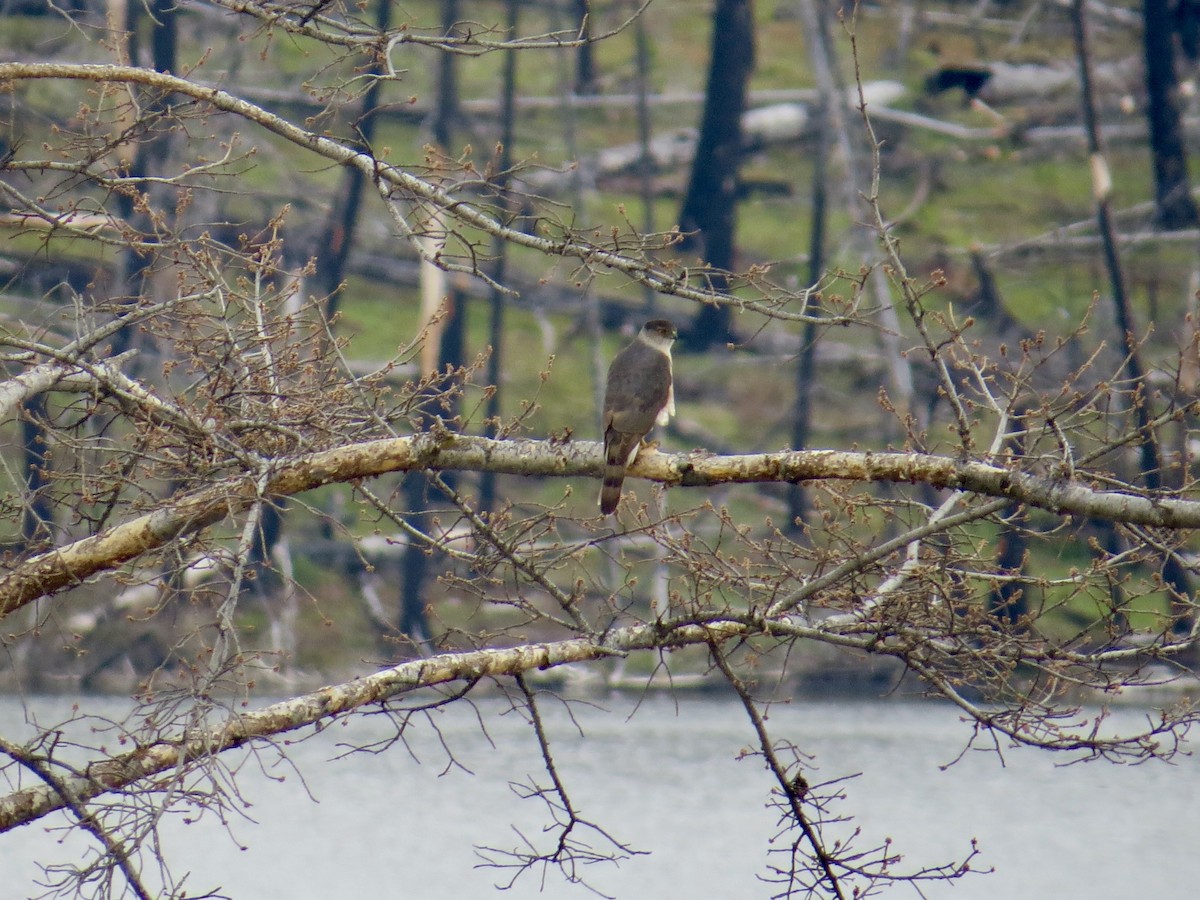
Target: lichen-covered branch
<point x="117" y="772"/>
<point x="62" y="567"/>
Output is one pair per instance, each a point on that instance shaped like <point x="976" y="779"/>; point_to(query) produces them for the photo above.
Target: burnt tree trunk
<point x="585" y="58"/>
<point x="508" y="113"/>
<point x="152" y="148"/>
<point x="37" y="512"/>
<point x="1187" y="24"/>
<point x="645" y="127"/>
<point x="267" y="581"/>
<point x="452" y="351"/>
<point x="1007" y="600"/>
<point x="708" y="210"/>
<point x="413" y="623"/>
<point x="439" y="403"/>
<point x="1151" y="464"/>
<point x="333" y="251"/>
<point x="1174" y="206"/>
<point x="806" y="363"/>
<point x="1174" y="573"/>
<point x="445" y="117"/>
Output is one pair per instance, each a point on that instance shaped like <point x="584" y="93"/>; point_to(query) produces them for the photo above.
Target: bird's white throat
<point x="657" y="341"/>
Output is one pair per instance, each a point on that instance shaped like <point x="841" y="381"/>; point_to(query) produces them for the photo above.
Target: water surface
<point x="665" y="778"/>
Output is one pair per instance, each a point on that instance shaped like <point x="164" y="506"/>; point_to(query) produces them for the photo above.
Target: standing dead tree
<point x="709" y="209"/>
<point x="1173" y="196"/>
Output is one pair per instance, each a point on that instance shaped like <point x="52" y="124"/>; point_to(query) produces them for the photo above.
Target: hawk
<point x="639" y="395"/>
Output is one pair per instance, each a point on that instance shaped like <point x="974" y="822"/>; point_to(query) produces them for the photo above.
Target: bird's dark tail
<point x="610" y="491"/>
<point x="618" y="454"/>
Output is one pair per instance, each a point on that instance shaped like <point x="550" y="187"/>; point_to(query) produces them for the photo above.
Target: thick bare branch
<point x="52" y="571"/>
<point x="115" y="773"/>
<point x="22" y="807"/>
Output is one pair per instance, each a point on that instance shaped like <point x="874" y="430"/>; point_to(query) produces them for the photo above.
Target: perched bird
<point x="639" y="396"/>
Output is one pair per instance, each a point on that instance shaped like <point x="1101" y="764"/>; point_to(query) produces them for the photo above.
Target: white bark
<point x="113" y="774"/>
<point x="63" y="567"/>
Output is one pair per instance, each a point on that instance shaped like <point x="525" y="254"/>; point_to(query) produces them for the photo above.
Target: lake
<point x="664" y="777"/>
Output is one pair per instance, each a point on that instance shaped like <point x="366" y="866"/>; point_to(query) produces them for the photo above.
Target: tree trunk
<point x="445" y="118"/>
<point x="164" y="37"/>
<point x="1008" y="600"/>
<point x="413" y="623"/>
<point x="709" y="207"/>
<point x="451" y="351"/>
<point x="645" y="128"/>
<point x="151" y="148"/>
<point x="1102" y="187"/>
<point x="508" y="100"/>
<point x="334" y="248"/>
<point x="585" y="59"/>
<point x="37" y="512"/>
<point x="806" y="363"/>
<point x="1187" y="23"/>
<point x="1151" y="458"/>
<point x="1175" y="208"/>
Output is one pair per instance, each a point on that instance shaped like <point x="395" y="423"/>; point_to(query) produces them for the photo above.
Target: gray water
<point x="666" y="778"/>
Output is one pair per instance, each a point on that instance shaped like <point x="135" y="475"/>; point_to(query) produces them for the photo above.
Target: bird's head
<point x="659" y="333"/>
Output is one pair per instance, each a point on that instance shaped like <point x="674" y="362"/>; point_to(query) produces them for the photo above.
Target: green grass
<point x="997" y="193"/>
